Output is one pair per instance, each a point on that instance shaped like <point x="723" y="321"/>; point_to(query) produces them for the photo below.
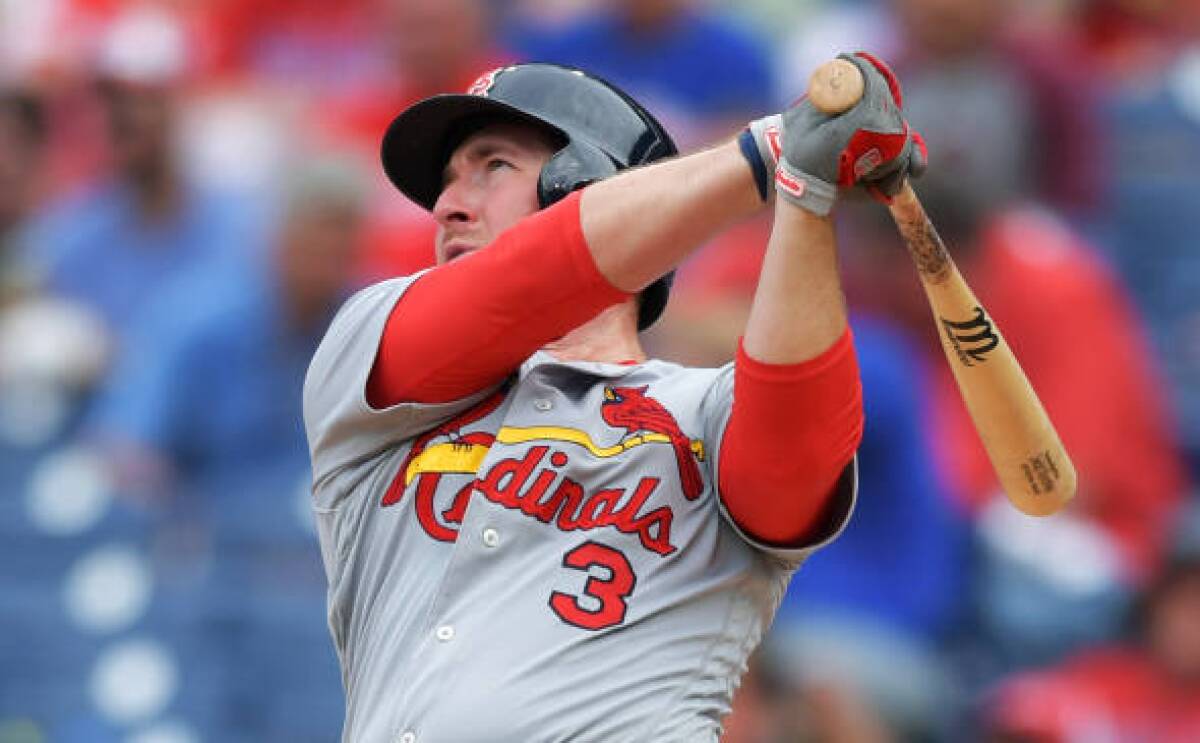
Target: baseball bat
<point x="1025" y="450"/>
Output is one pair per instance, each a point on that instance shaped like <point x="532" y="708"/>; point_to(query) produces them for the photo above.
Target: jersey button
<point x="491" y="538"/>
<point x="408" y="737"/>
<point x="445" y="633"/>
<point x="542" y="404"/>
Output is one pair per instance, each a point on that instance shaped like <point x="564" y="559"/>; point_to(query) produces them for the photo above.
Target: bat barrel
<point x="1030" y="461"/>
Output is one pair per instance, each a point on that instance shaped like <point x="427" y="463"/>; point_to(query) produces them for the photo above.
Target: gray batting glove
<point x="814" y="154"/>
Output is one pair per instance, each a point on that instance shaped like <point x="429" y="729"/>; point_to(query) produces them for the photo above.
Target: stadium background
<point x="189" y="187"/>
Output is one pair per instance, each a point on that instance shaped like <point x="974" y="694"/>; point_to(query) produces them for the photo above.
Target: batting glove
<point x="809" y="155"/>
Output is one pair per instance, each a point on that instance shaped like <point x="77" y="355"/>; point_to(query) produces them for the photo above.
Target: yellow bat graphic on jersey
<point x="450" y="457"/>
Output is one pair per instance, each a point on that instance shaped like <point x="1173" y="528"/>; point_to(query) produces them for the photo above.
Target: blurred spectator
<point x="954" y="44"/>
<point x="1153" y="221"/>
<point x="50" y="351"/>
<point x="22" y="138"/>
<point x="210" y="390"/>
<point x="1146" y="689"/>
<point x="1082" y="347"/>
<point x="424" y="47"/>
<point x="312" y="45"/>
<point x="1126" y="39"/>
<point x="983" y="51"/>
<point x="203" y="416"/>
<point x="702" y="72"/>
<point x="144" y="223"/>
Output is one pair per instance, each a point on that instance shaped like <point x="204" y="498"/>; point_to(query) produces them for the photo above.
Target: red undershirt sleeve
<point x="794" y="428"/>
<point x="466" y="325"/>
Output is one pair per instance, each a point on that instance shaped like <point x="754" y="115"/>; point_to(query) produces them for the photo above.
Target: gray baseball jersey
<point x="543" y="561"/>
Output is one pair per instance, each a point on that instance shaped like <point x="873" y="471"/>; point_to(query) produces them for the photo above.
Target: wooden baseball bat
<point x="1033" y="467"/>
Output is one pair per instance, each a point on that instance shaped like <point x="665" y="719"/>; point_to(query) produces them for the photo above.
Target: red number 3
<point x="610" y="592"/>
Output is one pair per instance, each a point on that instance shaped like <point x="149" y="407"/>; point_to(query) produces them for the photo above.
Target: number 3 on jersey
<point x="610" y="592"/>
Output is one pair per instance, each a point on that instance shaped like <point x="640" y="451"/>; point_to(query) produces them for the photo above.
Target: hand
<point x="869" y="145"/>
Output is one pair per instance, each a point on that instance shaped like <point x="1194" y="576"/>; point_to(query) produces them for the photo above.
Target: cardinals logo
<point x="537" y="479"/>
<point x="629" y="408"/>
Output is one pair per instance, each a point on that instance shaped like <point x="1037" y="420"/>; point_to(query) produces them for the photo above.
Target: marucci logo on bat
<point x="972" y="339"/>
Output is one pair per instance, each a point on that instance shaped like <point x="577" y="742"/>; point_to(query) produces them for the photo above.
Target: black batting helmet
<point x="602" y="131"/>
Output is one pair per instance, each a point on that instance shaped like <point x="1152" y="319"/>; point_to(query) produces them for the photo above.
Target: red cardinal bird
<point x="629" y="408"/>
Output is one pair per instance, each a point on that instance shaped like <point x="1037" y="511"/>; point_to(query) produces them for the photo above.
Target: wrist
<point x="763" y="179"/>
<point x="759" y="143"/>
<point x="804" y="190"/>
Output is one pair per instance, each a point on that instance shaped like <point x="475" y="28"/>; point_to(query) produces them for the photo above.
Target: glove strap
<point x="751" y="152"/>
<point x="803" y="190"/>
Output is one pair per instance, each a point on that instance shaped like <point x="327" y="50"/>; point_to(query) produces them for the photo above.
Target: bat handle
<point x="835" y="86"/>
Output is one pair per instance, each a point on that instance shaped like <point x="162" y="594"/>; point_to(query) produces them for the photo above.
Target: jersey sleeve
<point x="534" y="283"/>
<point x="343" y="429"/>
<point x="717" y="409"/>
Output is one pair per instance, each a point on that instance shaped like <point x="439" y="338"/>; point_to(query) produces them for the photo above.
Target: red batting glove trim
<point x="785" y="182"/>
<point x="892" y="81"/>
<point x="919" y="141"/>
<point x="865" y="152"/>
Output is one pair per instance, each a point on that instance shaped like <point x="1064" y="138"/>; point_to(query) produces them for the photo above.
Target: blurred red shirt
<point x="1111" y="695"/>
<point x="1078" y="339"/>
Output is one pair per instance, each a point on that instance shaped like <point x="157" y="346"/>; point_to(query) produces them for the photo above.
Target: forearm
<point x="797" y="416"/>
<point x="642" y="223"/>
<point x="799" y="309"/>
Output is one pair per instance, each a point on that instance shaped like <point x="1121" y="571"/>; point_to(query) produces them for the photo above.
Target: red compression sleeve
<point x="468" y="324"/>
<point x="793" y="429"/>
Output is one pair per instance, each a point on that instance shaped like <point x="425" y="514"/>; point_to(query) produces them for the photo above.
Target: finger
<point x="868" y="63"/>
<point x="919" y="159"/>
<point x="886" y="187"/>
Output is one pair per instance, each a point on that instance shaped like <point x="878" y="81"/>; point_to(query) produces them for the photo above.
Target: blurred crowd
<point x="189" y="189"/>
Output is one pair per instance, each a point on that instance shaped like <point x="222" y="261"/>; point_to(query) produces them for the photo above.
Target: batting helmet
<point x="601" y="130"/>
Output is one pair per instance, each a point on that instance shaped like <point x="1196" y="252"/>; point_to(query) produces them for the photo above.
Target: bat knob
<point x="835" y="86"/>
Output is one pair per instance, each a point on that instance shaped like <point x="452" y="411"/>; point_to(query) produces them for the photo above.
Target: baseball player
<point x="531" y="531"/>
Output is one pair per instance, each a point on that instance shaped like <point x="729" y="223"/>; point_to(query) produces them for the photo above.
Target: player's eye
<point x="496" y="163"/>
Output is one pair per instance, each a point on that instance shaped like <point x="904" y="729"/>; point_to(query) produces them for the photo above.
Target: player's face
<point x="490" y="183"/>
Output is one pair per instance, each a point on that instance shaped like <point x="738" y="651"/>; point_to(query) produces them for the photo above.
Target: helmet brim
<point x="417" y="143"/>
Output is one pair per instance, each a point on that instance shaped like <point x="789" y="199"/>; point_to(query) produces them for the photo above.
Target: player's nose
<point x="455" y="204"/>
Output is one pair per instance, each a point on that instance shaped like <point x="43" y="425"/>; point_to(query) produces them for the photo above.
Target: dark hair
<point x="26" y="109"/>
<point x="1178" y="570"/>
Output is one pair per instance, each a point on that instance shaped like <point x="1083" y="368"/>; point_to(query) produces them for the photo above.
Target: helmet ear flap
<point x="572" y="168"/>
